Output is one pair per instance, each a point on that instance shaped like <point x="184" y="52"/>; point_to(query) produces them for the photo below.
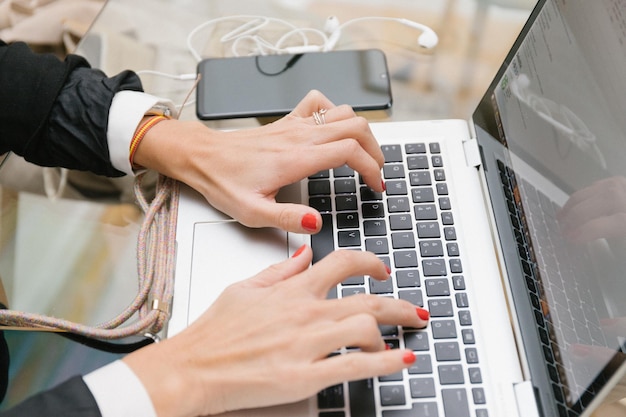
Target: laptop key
<point x="427" y="230"/>
<point x="398" y="205"/>
<point x="451" y="374"/>
<point x="423" y="195"/>
<point x="425" y="212"/>
<point x="331" y="397"/>
<point x="392" y="395"/>
<point x="443" y="329"/>
<point x="323" y="242"/>
<point x="447" y="351"/>
<point x="400" y="222"/>
<point x="415" y="148"/>
<point x="392" y="153"/>
<point x="349" y="238"/>
<point x="422" y="387"/>
<point x="455" y="402"/>
<point x="319" y="187"/>
<point x="346" y="202"/>
<point x="422" y="365"/>
<point x="420" y="409"/>
<point x="362" y="402"/>
<point x="391" y="171"/>
<point x="343" y="171"/>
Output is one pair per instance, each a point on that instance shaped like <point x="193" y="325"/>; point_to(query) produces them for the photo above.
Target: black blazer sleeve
<point x="55" y="113"/>
<point x="69" y="399"/>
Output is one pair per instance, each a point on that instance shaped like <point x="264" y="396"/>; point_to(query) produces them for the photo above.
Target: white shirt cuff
<point x="127" y="110"/>
<point x="118" y="392"/>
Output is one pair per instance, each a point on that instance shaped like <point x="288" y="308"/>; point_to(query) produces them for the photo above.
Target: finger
<point x="335" y="335"/>
<point x="341" y="152"/>
<point x="583" y="211"/>
<point x="356" y="128"/>
<point x="385" y="310"/>
<point x="281" y="271"/>
<point x="313" y="101"/>
<point x="603" y="227"/>
<point x="608" y="189"/>
<point x="335" y="114"/>
<point x="290" y="217"/>
<point x="361" y="365"/>
<point x="340" y="264"/>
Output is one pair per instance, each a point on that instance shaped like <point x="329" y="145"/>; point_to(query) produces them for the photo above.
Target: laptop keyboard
<point x="411" y="228"/>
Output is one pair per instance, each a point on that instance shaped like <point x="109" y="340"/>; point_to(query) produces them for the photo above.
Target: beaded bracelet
<point x="141" y="132"/>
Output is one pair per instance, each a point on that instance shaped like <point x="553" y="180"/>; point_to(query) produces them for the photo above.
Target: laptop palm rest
<point x="226" y="252"/>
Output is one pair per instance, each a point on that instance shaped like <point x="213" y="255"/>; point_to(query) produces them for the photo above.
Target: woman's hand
<point x="595" y="212"/>
<point x="240" y="172"/>
<point x="267" y="340"/>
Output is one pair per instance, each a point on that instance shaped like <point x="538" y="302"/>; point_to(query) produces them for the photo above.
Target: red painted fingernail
<point x="387" y="269"/>
<point x="422" y="314"/>
<point x="384" y="185"/>
<point x="408" y="358"/>
<point x="387" y="346"/>
<point x="299" y="251"/>
<point x="309" y="222"/>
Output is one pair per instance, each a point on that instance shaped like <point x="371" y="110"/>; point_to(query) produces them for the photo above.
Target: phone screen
<point x="272" y="85"/>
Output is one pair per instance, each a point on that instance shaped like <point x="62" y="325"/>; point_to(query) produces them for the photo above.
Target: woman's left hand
<point x="240" y="172"/>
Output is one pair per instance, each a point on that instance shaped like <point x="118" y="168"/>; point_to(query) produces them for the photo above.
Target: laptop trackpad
<point x="227" y="252"/>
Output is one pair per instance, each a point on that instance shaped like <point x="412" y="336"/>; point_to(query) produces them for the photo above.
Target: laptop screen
<point x="552" y="131"/>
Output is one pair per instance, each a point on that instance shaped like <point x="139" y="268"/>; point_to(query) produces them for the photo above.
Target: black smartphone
<point x="272" y="85"/>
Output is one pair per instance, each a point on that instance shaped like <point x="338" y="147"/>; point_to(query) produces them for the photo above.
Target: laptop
<point x="507" y="228"/>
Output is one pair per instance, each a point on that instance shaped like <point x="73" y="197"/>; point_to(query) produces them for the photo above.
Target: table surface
<point x="158" y="35"/>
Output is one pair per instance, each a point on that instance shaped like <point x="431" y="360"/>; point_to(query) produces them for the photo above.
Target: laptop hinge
<point x="472" y="153"/>
<point x="526" y="401"/>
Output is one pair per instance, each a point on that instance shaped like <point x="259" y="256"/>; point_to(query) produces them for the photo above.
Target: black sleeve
<point x="69" y="399"/>
<point x="55" y="113"/>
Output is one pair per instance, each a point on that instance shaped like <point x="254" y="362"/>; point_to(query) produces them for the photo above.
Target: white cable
<point x="428" y="39"/>
<point x="248" y="32"/>
<point x="252" y="24"/>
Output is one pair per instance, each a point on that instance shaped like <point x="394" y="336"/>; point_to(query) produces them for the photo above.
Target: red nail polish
<point x="299" y="251"/>
<point x="384" y="185"/>
<point x="309" y="222"/>
<point x="387" y="269"/>
<point x="408" y="358"/>
<point x="422" y="314"/>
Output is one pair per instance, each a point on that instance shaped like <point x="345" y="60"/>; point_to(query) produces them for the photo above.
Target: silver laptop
<point x="509" y="230"/>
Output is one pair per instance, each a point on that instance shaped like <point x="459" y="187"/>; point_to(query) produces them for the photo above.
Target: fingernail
<point x="387" y="269"/>
<point x="408" y="358"/>
<point x="384" y="185"/>
<point x="299" y="251"/>
<point x="309" y="222"/>
<point x="387" y="346"/>
<point x="422" y="314"/>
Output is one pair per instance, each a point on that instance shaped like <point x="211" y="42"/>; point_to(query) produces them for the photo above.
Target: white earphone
<point x="428" y="39"/>
<point x="329" y="36"/>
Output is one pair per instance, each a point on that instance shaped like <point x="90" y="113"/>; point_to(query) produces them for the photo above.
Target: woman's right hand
<point x="272" y="336"/>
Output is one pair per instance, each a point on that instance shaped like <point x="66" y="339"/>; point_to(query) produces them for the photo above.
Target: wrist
<point x="172" y="394"/>
<point x="146" y="124"/>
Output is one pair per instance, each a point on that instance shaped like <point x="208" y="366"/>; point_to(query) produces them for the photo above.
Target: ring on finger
<point x="320" y="117"/>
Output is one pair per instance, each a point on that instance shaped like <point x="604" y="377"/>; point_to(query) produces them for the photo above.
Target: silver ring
<point x="319" y="117"/>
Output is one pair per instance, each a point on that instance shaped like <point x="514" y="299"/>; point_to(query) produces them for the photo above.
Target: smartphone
<point x="272" y="85"/>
